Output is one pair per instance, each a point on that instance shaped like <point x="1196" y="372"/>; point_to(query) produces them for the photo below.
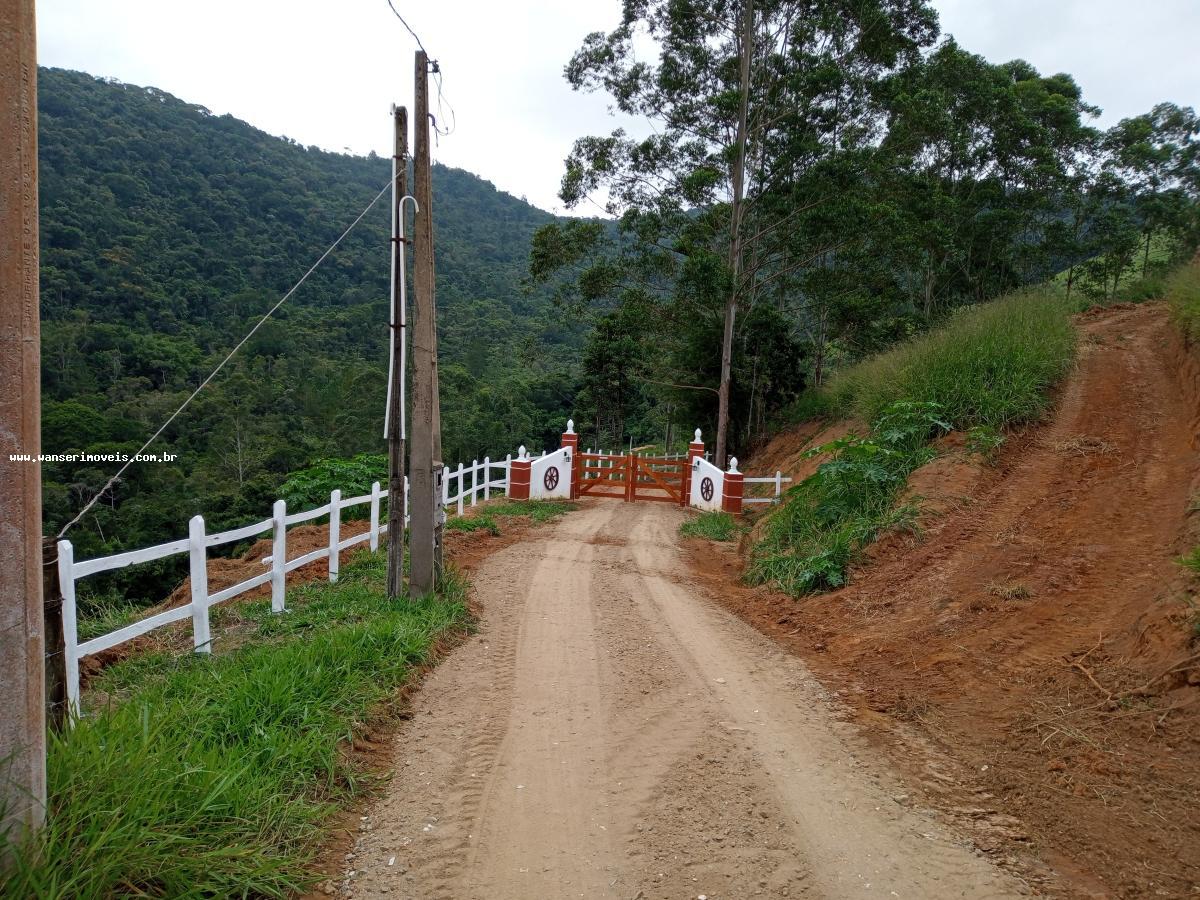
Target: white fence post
<point x="198" y="565"/>
<point x="507" y="474"/>
<point x="778" y="484"/>
<point x="374" y="542"/>
<point x="335" y="532"/>
<point x="460" y="488"/>
<point x="474" y="481"/>
<point x="66" y="584"/>
<point x="279" y="556"/>
<point x="487" y="478"/>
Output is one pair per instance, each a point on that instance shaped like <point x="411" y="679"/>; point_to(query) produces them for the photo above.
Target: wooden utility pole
<point x="735" y="236"/>
<point x="22" y="674"/>
<point x="425" y="464"/>
<point x="397" y="435"/>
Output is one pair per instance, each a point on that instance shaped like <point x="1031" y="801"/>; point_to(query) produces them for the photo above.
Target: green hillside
<point x="167" y="231"/>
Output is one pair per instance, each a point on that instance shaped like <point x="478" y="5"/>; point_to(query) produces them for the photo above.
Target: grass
<point x="203" y="777"/>
<point x="1191" y="561"/>
<point x="537" y="510"/>
<point x="1183" y="296"/>
<point x="989" y="365"/>
<point x="713" y="525"/>
<point x="483" y="522"/>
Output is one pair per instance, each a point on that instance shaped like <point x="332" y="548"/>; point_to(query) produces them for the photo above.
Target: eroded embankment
<point x="1031" y="658"/>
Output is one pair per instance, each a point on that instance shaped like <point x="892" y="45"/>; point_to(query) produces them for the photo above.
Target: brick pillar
<point x="570" y="443"/>
<point x="695" y="449"/>
<point x="518" y="476"/>
<point x="732" y="488"/>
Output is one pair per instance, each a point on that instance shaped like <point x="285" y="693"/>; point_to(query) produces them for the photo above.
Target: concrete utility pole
<point x="396" y="432"/>
<point x="22" y="688"/>
<point x="425" y="464"/>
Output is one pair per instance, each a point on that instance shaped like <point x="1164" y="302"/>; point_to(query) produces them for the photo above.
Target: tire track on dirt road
<point x="611" y="732"/>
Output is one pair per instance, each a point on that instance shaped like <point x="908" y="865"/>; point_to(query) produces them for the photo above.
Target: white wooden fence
<point x="479" y="478"/>
<point x="777" y="480"/>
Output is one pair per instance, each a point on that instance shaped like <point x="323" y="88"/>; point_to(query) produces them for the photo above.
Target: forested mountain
<point x="167" y="231"/>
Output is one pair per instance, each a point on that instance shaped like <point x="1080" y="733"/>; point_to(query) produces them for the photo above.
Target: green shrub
<point x="1191" y="561"/>
<point x="210" y="777"/>
<point x="311" y="487"/>
<point x="825" y="521"/>
<point x="991" y="364"/>
<point x="1183" y="295"/>
<point x="713" y="525"/>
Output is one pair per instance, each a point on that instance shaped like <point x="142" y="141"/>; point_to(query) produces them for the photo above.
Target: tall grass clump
<point x="991" y="364"/>
<point x="713" y="525"/>
<point x="210" y="777"/>
<point x="1183" y="296"/>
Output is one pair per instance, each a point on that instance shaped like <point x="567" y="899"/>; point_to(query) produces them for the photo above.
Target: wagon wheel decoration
<point x="706" y="488"/>
<point x="550" y="479"/>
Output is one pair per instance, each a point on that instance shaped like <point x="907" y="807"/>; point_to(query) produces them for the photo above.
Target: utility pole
<point x="425" y="464"/>
<point x="22" y="673"/>
<point x="396" y="434"/>
<point x="735" y="236"/>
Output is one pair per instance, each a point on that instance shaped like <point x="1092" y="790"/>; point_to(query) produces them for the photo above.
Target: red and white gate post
<point x="570" y="443"/>
<point x="518" y="476"/>
<point x="732" y="488"/>
<point x="695" y="449"/>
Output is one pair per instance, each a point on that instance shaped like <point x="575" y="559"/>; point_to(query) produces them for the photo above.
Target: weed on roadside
<point x="713" y="525"/>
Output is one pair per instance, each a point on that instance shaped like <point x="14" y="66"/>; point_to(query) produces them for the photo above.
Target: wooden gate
<point x="631" y="477"/>
<point x="601" y="475"/>
<point x="658" y="478"/>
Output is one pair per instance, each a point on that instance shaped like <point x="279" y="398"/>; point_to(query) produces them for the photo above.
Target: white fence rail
<point x="777" y="480"/>
<point x="471" y="482"/>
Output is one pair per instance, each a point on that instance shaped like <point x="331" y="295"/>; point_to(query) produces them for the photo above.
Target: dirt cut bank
<point x="1032" y="659"/>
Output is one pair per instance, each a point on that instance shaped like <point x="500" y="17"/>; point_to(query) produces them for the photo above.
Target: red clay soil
<point x="1032" y="660"/>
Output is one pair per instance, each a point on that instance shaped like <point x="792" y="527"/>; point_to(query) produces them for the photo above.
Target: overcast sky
<point x="326" y="73"/>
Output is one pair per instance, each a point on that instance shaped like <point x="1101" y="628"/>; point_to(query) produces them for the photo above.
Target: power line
<point x="221" y="365"/>
<point x="443" y="105"/>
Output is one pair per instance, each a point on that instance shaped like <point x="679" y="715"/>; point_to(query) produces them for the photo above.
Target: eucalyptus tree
<point x="749" y="104"/>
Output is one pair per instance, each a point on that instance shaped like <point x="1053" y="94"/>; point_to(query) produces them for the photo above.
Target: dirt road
<point x="611" y="732"/>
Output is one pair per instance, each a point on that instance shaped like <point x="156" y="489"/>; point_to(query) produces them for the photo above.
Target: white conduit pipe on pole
<point x="398" y="234"/>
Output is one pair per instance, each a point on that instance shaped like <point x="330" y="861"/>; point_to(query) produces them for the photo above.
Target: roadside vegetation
<point x="989" y="368"/>
<point x="713" y="525"/>
<point x="1183" y="296"/>
<point x="194" y="776"/>
<point x="537" y="511"/>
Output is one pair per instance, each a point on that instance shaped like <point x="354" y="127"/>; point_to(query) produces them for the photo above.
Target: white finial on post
<point x="570" y="426"/>
<point x="697" y="438"/>
<point x="521" y="452"/>
<point x="733" y="465"/>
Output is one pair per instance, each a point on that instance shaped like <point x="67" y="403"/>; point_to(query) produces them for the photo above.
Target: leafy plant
<point x="984" y="441"/>
<point x="1191" y="560"/>
<point x="826" y="520"/>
